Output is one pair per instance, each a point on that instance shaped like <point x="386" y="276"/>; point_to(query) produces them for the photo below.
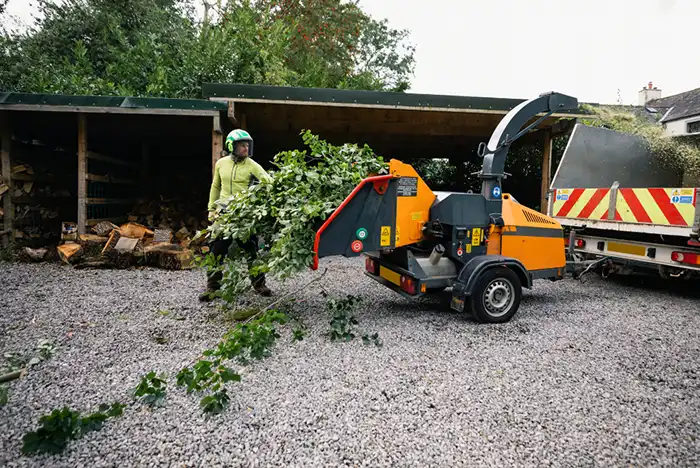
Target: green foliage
<point x="342" y="319"/>
<point x="215" y="403"/>
<point x="372" y="339"/>
<point x="14" y="361"/>
<point x="245" y="342"/>
<point x="305" y="189"/>
<point x="682" y="156"/>
<point x="160" y="48"/>
<point x="151" y="389"/>
<point x="61" y="426"/>
<point x="438" y="173"/>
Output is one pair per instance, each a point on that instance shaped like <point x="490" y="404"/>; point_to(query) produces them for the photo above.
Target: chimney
<point x="649" y="93"/>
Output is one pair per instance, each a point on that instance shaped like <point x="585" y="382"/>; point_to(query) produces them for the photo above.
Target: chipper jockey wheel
<point x="496" y="295"/>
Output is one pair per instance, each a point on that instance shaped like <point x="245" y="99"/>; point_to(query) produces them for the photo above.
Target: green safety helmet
<point x="238" y="135"/>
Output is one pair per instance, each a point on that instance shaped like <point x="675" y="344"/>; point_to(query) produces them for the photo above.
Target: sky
<point x="588" y="49"/>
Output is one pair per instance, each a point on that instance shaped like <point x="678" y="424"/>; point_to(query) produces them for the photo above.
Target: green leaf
<point x="228" y="375"/>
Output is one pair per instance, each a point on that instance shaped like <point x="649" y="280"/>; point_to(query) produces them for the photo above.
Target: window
<point x="694" y="127"/>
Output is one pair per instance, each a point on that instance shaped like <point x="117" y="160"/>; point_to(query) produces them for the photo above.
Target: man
<point x="232" y="174"/>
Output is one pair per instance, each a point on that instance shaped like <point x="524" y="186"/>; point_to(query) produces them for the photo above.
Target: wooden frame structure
<point x="403" y="121"/>
<point x="81" y="109"/>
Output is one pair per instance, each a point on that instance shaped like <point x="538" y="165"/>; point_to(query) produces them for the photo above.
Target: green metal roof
<point x="114" y="102"/>
<point x="366" y="98"/>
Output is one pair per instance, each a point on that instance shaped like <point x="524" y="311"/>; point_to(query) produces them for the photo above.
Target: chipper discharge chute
<point x="485" y="246"/>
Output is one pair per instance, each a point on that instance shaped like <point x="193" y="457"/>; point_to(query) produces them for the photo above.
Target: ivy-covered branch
<point x="306" y="187"/>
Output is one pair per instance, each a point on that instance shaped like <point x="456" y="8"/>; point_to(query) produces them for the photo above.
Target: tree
<point x="161" y="48"/>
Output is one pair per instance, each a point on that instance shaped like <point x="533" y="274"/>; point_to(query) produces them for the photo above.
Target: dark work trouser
<point x="221" y="247"/>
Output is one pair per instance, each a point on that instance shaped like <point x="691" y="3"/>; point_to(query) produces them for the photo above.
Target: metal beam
<point x="546" y="170"/>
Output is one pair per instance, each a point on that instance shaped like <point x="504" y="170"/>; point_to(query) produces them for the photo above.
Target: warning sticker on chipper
<point x="407" y="187"/>
<point x="683" y="195"/>
<point x="385" y="239"/>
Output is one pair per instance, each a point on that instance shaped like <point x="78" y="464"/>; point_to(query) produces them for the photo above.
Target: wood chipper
<point x="485" y="246"/>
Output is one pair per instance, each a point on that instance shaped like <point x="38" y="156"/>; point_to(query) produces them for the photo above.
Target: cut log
<point x="169" y="256"/>
<point x="35" y="254"/>
<point x="103" y="228"/>
<point x="135" y="231"/>
<point x="92" y="239"/>
<point x="70" y="253"/>
<point x="163" y="235"/>
<point x="114" y="237"/>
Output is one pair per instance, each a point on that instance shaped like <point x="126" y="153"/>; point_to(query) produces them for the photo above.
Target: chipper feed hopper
<point x="485" y="246"/>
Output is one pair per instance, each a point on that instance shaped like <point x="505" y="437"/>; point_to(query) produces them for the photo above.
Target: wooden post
<point x="217" y="142"/>
<point x="8" y="207"/>
<point x="82" y="173"/>
<point x="546" y="171"/>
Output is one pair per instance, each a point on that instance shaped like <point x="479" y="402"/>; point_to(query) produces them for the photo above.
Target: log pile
<point x="35" y="194"/>
<point x="131" y="244"/>
<point x="182" y="217"/>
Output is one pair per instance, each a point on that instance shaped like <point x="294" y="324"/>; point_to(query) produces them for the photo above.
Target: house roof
<point x="678" y="106"/>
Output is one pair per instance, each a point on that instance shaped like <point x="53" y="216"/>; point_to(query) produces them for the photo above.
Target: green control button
<point x="361" y="233"/>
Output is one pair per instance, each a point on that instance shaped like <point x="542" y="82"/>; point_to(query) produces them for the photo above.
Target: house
<point x="680" y="112"/>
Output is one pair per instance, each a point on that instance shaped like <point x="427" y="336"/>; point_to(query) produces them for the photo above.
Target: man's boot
<point x="260" y="287"/>
<point x="213" y="285"/>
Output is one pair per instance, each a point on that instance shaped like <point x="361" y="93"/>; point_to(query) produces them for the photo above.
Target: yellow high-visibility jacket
<point x="231" y="177"/>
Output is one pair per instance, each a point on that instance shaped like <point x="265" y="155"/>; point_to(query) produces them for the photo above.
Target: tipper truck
<point x="620" y="203"/>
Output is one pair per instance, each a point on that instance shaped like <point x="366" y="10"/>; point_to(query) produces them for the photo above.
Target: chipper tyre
<point x="496" y="295"/>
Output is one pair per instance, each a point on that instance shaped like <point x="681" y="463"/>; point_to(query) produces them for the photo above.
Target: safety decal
<point x="356" y="246"/>
<point x="683" y="195"/>
<point x="361" y="233"/>
<point x="476" y="236"/>
<point x="385" y="238"/>
<point x="496" y="192"/>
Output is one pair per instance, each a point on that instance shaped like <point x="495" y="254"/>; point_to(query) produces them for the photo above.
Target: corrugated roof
<point x="24" y="100"/>
<point x="245" y="92"/>
<point x="679" y="106"/>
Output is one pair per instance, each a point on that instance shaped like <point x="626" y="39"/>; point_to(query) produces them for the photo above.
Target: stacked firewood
<point x="131" y="244"/>
<point x="183" y="216"/>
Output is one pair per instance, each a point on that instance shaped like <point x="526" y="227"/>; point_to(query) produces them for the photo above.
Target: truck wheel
<point x="496" y="295"/>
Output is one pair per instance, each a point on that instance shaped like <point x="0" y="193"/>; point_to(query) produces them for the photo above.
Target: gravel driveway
<point x="597" y="374"/>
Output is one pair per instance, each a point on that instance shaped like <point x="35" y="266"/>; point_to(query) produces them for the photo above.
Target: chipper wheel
<point x="496" y="296"/>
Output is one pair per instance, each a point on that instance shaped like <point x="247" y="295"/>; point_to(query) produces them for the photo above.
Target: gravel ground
<point x="601" y="373"/>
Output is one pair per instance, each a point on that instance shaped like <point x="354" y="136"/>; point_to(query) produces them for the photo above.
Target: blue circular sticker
<point x="496" y="192"/>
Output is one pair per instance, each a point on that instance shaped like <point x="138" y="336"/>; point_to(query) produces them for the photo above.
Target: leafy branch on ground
<point x="44" y="350"/>
<point x="372" y="339"/>
<point x="247" y="341"/>
<point x="342" y="319"/>
<point x="61" y="426"/>
<point x="151" y="389"/>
